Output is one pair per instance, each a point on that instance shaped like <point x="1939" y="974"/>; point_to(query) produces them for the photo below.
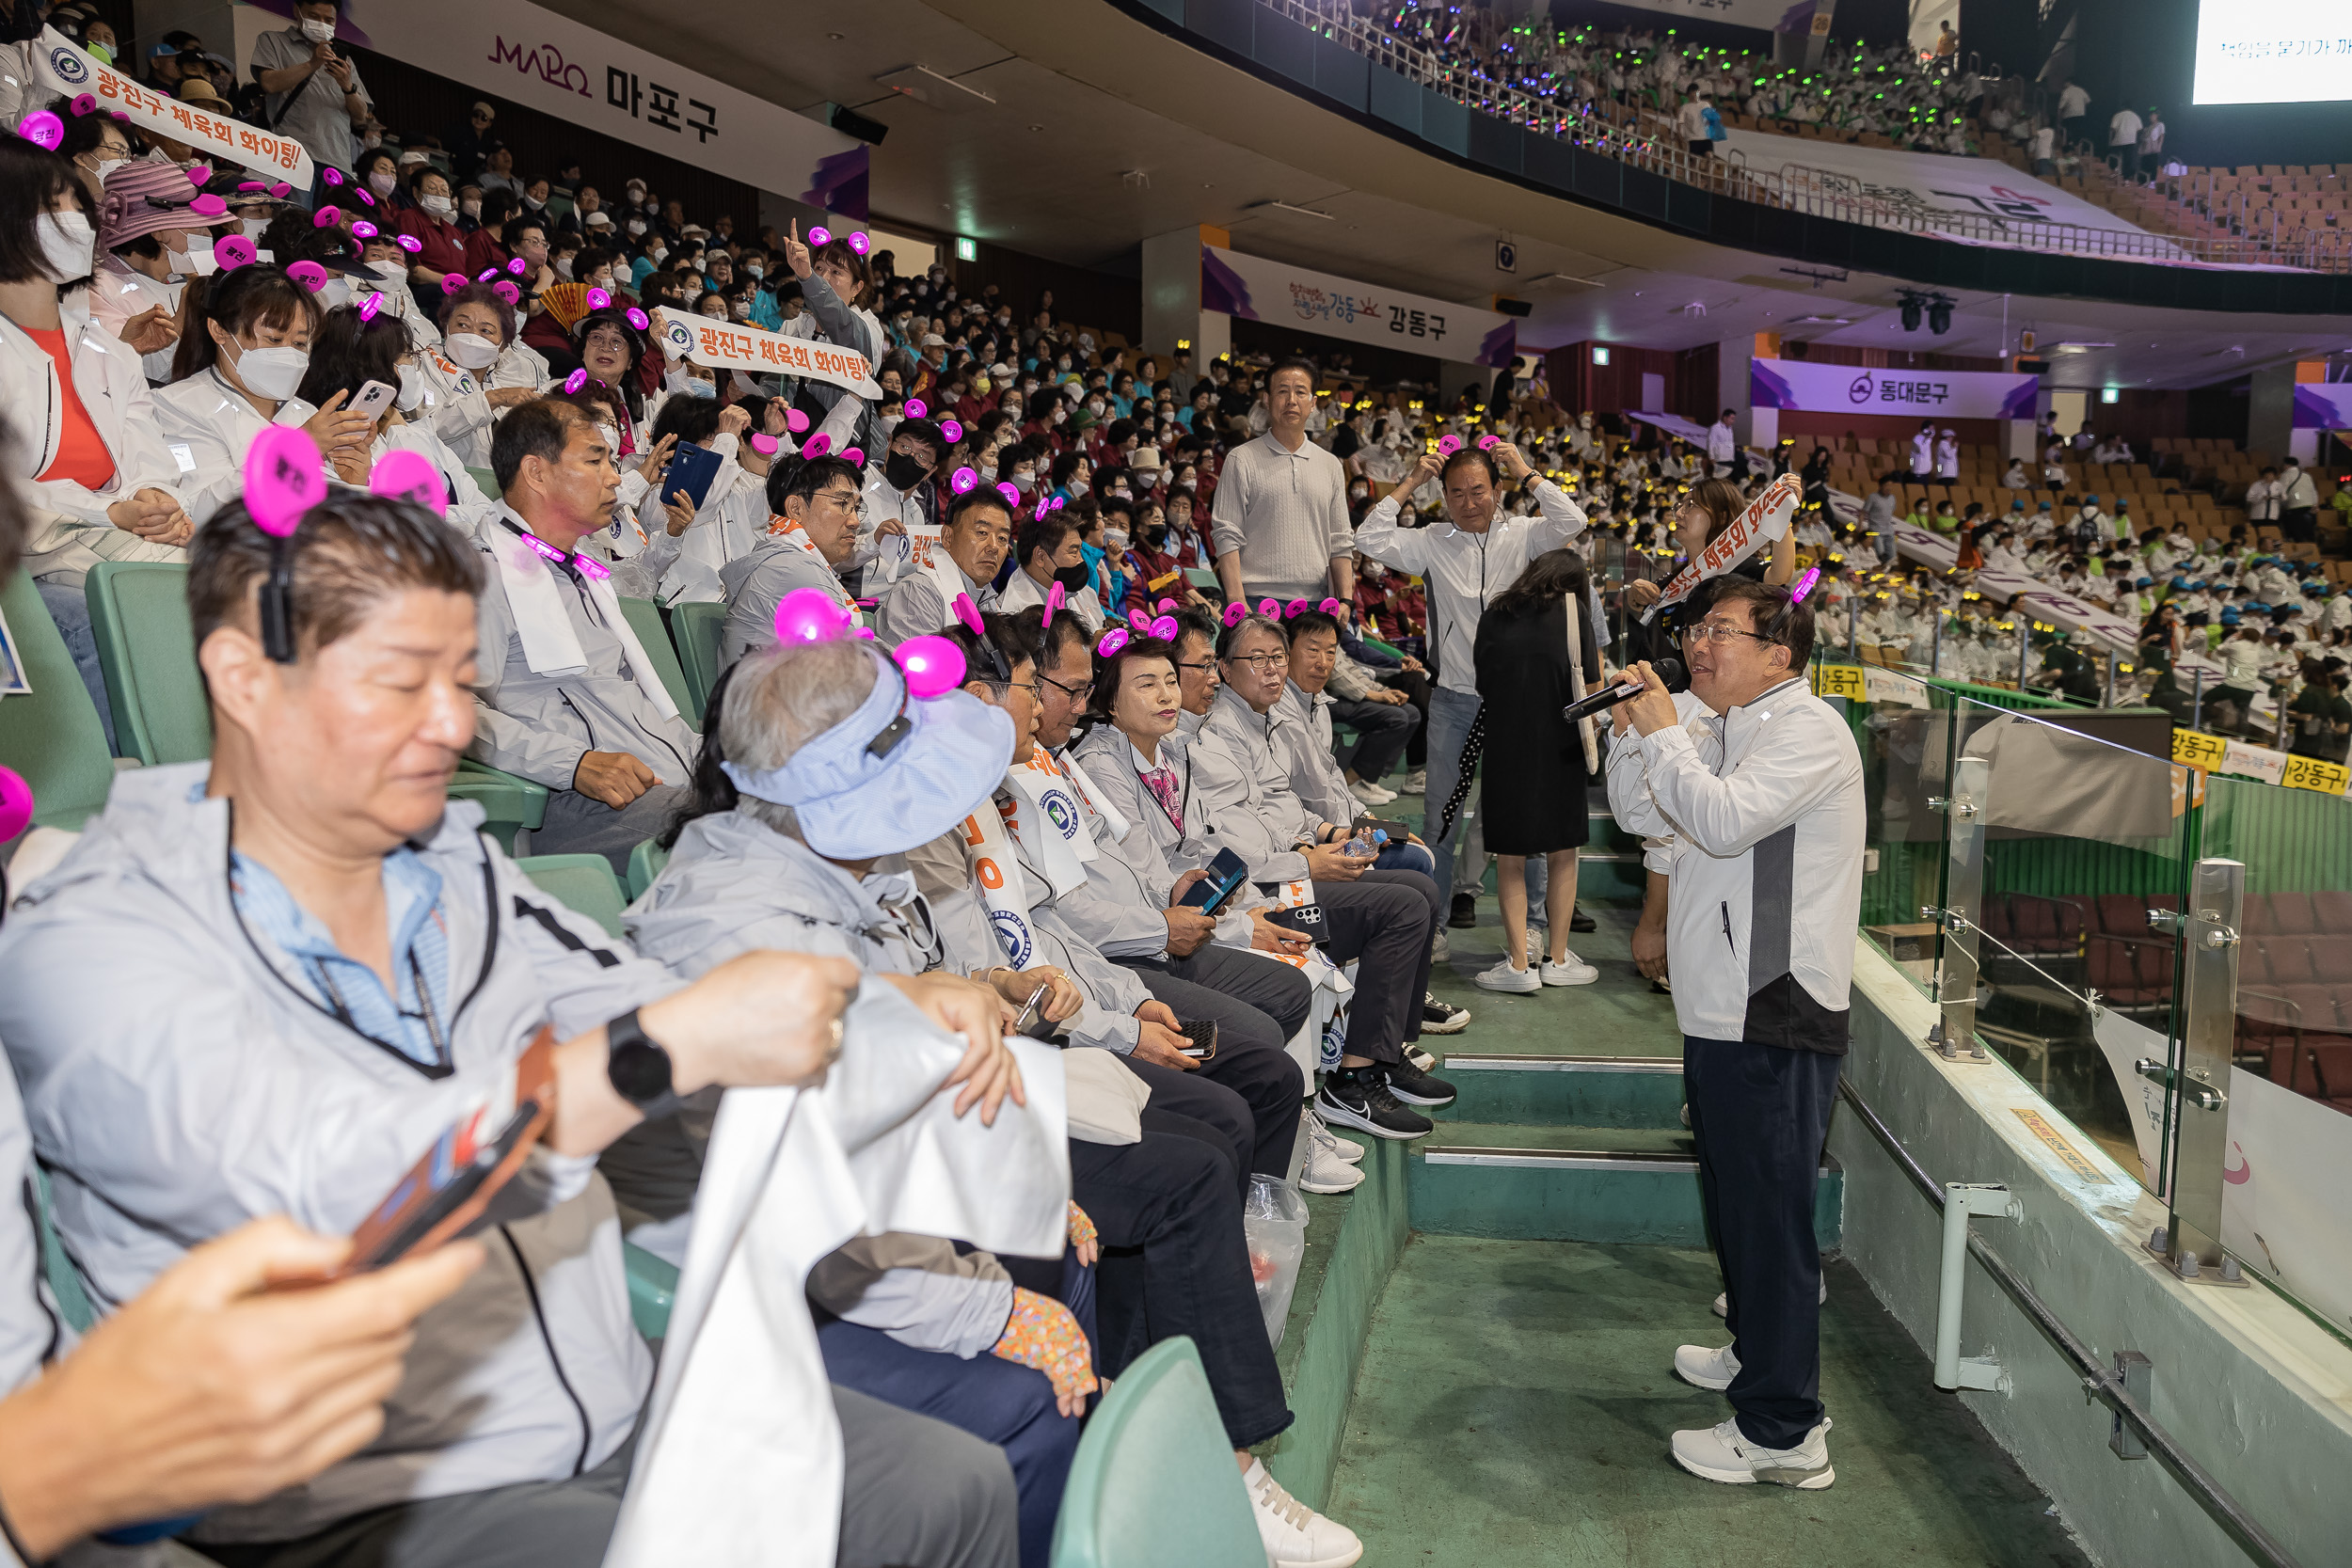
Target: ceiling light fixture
<point x="1289" y="207"/>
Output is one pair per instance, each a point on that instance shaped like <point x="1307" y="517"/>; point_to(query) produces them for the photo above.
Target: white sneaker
<point x="1503" y="977"/>
<point x="1415" y="782"/>
<point x="1421" y="1059"/>
<point x="1571" y="971"/>
<point x="1295" y="1535"/>
<point x="1702" y="1368"/>
<point x="1319" y="1129"/>
<point x="1325" y="1171"/>
<point x="1440" y="950"/>
<point x="1720" y="1453"/>
<point x="1723" y="1302"/>
<point x="1371" y="794"/>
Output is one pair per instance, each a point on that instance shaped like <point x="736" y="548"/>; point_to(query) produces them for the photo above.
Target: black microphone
<point x="1669" y="671"/>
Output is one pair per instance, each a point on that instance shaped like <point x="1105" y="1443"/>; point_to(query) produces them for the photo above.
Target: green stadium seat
<point x="487" y="479"/>
<point x="582" y="883"/>
<point x="147" y="650"/>
<point x="50" y="734"/>
<point x="652" y="1288"/>
<point x="644" y="864"/>
<point x="698" y="629"/>
<point x="1154" y="1483"/>
<point x="646" y="620"/>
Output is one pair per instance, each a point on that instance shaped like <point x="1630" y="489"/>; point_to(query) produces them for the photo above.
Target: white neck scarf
<point x="536" y="600"/>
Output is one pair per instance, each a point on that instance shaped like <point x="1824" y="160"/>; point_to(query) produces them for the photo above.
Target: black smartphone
<point x="1203" y="1035"/>
<point x="1212" y="892"/>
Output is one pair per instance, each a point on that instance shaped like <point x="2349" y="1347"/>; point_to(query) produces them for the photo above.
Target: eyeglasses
<point x="846" y="500"/>
<point x="1204" y="664"/>
<point x="1072" y="692"/>
<point x="1261" y="663"/>
<point x="1715" y="631"/>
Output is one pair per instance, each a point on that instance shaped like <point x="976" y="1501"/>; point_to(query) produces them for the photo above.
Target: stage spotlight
<point x="1911" y="313"/>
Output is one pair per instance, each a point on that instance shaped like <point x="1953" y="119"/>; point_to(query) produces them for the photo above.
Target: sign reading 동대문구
<point x="71" y="73"/>
<point x="1255" y="289"/>
<point x="1867" y="390"/>
<point x="546" y="61"/>
<point x="732" y="346"/>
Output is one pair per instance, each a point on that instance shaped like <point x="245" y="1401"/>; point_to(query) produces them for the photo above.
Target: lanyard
<point x="431" y="1020"/>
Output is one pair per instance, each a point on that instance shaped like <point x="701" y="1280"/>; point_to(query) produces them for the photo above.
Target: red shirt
<point x="484" y="250"/>
<point x="444" y="247"/>
<point x="82" y="457"/>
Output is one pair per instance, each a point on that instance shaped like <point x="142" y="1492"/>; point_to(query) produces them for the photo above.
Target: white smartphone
<point x="373" y="399"/>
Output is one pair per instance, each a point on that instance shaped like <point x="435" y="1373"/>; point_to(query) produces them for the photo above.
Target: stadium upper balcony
<point x="1626" y="158"/>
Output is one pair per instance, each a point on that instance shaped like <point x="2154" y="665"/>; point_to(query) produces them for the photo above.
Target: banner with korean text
<point x="1861" y="390"/>
<point x="1255" y="290"/>
<point x="69" y="73"/>
<point x="732" y="346"/>
<point x="548" y="62"/>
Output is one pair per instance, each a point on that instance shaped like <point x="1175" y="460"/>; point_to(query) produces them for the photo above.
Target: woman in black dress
<point x="1535" y="767"/>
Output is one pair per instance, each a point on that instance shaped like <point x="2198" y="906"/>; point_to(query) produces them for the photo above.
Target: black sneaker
<point x="1360" y="1098"/>
<point x="1416" y="1087"/>
<point x="1465" y="913"/>
<point x="1436" y="1018"/>
<point x="1580" y="921"/>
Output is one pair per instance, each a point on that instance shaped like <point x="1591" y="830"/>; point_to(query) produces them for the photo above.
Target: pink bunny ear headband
<point x="285" y="476"/>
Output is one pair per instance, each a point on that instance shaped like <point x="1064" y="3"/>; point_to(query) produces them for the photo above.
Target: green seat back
<point x="582" y="883"/>
<point x="652" y="1288"/>
<point x="644" y="618"/>
<point x="698" y="629"/>
<point x="1154" y="1483"/>
<point x="487" y="479"/>
<point x="139" y="611"/>
<point x="65" y="1280"/>
<point x="644" y="864"/>
<point x="50" y="734"/>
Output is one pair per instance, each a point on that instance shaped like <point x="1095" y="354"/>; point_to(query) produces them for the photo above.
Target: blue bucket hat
<point x="896" y="773"/>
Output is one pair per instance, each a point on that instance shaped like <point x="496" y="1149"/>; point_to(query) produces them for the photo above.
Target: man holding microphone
<point x="1762" y="795"/>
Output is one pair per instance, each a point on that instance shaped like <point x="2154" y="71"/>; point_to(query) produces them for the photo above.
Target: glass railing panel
<point x="2286" y="1154"/>
<point x="1901" y="727"/>
<point x="2070" y="853"/>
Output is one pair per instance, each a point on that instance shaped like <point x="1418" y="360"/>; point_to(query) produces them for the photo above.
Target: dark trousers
<point x="1385" y="729"/>
<point x="1175" y="1261"/>
<point x="1383" y="918"/>
<point x="1257" y="1003"/>
<point x="2299" y="523"/>
<point x="1416" y="688"/>
<point x="997" y="1401"/>
<point x="1187" y="1105"/>
<point x="1761" y="1113"/>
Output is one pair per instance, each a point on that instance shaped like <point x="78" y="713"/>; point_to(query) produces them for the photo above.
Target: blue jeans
<point x="1408" y="857"/>
<point x="70" y="608"/>
<point x="1449" y="716"/>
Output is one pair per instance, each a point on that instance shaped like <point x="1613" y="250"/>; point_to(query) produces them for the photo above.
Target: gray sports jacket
<point x="181" y="1077"/>
<point x="539" y="725"/>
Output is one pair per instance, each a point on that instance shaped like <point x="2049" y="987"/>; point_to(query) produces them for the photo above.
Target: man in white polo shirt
<point x="1281" y="514"/>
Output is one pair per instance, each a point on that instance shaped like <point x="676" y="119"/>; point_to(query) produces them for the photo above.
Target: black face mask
<point x="1073" y="579"/>
<point x="902" y="472"/>
<point x="1154" y="538"/>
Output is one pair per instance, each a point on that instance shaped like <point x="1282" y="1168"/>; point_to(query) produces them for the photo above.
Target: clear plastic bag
<point x="1275" y="1223"/>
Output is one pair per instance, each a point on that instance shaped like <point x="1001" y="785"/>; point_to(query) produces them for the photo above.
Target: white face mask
<point x="381" y="184"/>
<point x="412" y="387"/>
<point x="562" y="266"/>
<point x="107" y="165"/>
<point x="1114" y="539"/>
<point x="271" y="372"/>
<point x="68" y="244"/>
<point x="254" y="227"/>
<point x="439" y="206"/>
<point x="637" y="225"/>
<point x="471" y="350"/>
<point x="319" y="32"/>
<point x="391" y="272"/>
<point x="336" y="291"/>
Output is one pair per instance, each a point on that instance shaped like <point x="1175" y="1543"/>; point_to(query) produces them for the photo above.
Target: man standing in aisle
<point x="1280" y="512"/>
<point x="315" y="95"/>
<point x="1764" y="799"/>
<point x="1465" y="561"/>
<point x="1722" y="445"/>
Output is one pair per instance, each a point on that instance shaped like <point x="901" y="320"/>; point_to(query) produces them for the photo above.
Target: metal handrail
<point x="2099" y="1382"/>
<point x="1626" y="133"/>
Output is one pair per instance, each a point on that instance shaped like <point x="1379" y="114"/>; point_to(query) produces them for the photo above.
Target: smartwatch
<point x="639" y="1068"/>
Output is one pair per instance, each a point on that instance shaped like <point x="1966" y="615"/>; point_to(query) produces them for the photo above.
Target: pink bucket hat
<point x="142" y="197"/>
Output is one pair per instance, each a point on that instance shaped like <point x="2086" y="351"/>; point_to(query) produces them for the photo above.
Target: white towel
<point x="739" y="1460"/>
<point x="535" y="597"/>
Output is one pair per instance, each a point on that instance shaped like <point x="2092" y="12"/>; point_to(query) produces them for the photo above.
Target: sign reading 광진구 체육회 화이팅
<point x="537" y="58"/>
